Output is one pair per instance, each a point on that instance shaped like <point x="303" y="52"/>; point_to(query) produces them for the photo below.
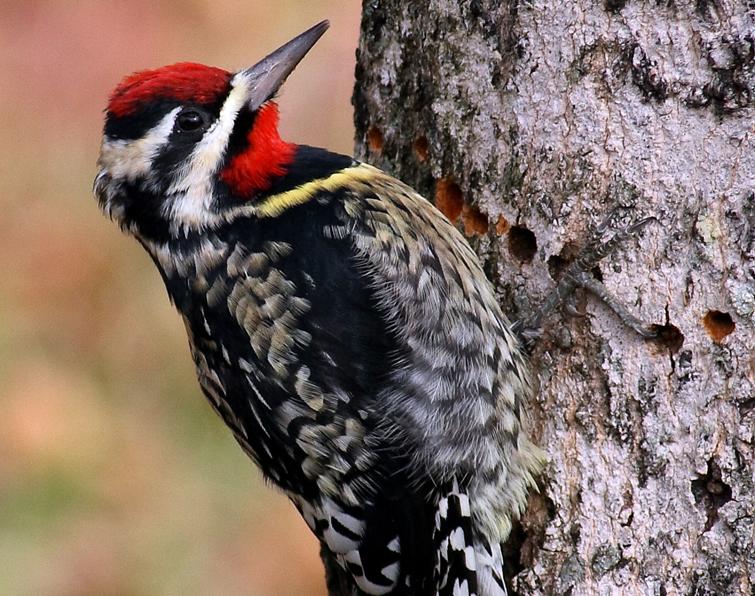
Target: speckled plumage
<point x="346" y="333"/>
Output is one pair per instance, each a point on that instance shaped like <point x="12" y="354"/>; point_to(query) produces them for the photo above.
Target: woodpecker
<point x="340" y="326"/>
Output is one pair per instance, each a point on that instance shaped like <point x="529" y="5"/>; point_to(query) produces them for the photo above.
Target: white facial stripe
<point x="192" y="186"/>
<point x="132" y="159"/>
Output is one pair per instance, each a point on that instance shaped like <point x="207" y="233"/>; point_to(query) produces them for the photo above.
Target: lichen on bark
<point x="532" y="121"/>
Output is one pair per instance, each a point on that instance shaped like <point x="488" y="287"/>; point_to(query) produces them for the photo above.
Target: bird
<point x="340" y="325"/>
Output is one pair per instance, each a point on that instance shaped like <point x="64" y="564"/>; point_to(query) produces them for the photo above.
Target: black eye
<point x="190" y="121"/>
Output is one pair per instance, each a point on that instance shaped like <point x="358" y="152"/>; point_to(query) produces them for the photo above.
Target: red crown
<point x="184" y="82"/>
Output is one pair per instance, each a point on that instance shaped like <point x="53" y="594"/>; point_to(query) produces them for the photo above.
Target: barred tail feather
<point x="490" y="569"/>
<point x="464" y="566"/>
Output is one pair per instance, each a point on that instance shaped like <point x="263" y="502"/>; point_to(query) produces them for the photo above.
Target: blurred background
<point x="115" y="476"/>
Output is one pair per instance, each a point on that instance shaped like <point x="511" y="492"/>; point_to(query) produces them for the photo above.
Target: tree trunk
<point x="527" y="123"/>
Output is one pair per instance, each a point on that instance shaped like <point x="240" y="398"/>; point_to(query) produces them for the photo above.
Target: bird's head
<point x="185" y="144"/>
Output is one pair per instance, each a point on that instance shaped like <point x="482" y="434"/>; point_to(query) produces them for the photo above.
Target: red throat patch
<point x="184" y="82"/>
<point x="265" y="158"/>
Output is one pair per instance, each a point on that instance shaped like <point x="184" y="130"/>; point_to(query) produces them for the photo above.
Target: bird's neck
<point x="262" y="158"/>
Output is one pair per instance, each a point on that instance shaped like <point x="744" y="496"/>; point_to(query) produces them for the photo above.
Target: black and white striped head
<point x="185" y="143"/>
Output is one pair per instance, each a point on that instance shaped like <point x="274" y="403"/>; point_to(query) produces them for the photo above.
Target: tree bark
<point x="527" y="123"/>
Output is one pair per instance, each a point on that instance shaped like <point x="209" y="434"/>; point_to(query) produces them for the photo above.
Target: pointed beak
<point x="266" y="77"/>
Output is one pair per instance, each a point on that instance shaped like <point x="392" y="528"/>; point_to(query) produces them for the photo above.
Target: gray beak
<point x="267" y="76"/>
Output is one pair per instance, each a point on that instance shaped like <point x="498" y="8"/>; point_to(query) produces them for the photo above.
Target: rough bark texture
<point x="527" y="123"/>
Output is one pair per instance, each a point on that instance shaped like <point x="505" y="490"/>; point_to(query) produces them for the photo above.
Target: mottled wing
<point x="304" y="354"/>
<point x="455" y="398"/>
<point x="459" y="390"/>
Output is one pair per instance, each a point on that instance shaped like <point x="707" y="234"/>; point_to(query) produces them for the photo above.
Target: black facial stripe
<point x="238" y="142"/>
<point x="135" y="126"/>
<point x="178" y="148"/>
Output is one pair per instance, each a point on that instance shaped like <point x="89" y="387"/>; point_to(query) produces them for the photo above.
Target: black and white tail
<point x="465" y="563"/>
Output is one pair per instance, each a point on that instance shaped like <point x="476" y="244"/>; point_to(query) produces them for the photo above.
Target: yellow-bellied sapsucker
<point x="340" y="325"/>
